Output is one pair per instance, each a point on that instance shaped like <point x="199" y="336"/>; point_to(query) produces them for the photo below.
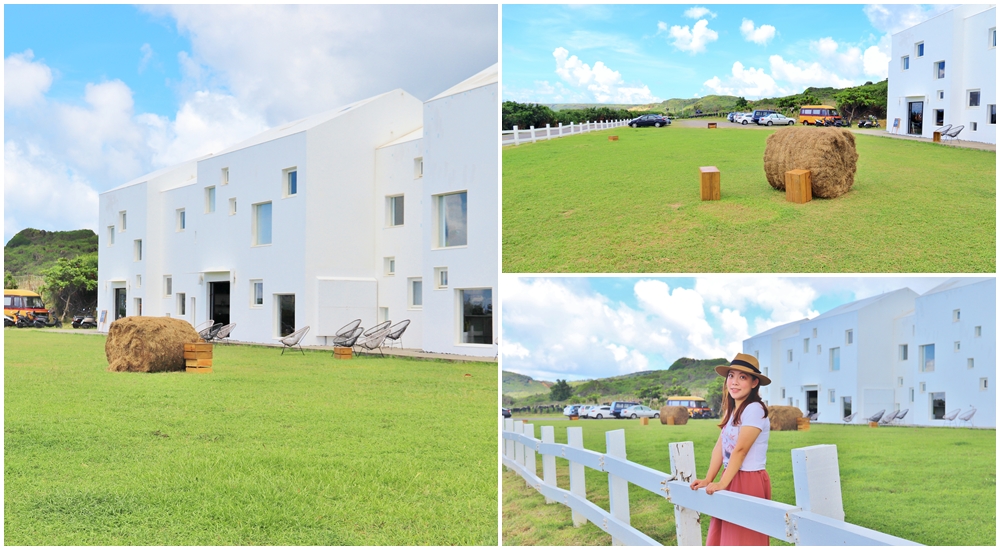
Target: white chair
<point x="899" y="417"/>
<point x="967" y="417"/>
<point x="888" y="418"/>
<point x="951" y="416"/>
<point x="293" y="339"/>
<point x="224" y="332"/>
<point x="850" y="417"/>
<point x="396" y="333"/>
<point x="374" y="341"/>
<point x="952" y="133"/>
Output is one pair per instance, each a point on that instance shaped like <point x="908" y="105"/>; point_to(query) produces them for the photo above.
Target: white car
<point x="775" y="119"/>
<point x="604" y="411"/>
<point x="585" y="410"/>
<point x="637" y="411"/>
<point x="744" y="119"/>
<point x="571" y="410"/>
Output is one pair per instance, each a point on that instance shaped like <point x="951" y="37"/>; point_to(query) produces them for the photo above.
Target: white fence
<point x="816" y="519"/>
<point x="519" y="136"/>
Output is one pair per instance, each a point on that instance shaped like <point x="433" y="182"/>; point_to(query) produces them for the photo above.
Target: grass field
<point x="935" y="486"/>
<point x="582" y="204"/>
<point x="266" y="450"/>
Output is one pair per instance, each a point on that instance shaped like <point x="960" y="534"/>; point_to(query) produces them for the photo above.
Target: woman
<point x="741" y="448"/>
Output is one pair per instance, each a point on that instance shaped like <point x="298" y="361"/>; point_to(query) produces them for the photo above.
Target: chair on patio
<point x="814" y="417"/>
<point x="951" y="416"/>
<point x="396" y="333"/>
<point x="888" y="418"/>
<point x="347" y="329"/>
<point x="850" y="417"/>
<point x="877" y="416"/>
<point x="371" y="332"/>
<point x="293" y="339"/>
<point x="899" y="417"/>
<point x="374" y="341"/>
<point x="224" y="333"/>
<point x="952" y="133"/>
<point x="944" y="129"/>
<point x="967" y="417"/>
<point x="347" y="340"/>
<point x="209" y="334"/>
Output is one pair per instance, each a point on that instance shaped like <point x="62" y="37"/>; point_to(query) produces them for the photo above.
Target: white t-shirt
<point x="756" y="459"/>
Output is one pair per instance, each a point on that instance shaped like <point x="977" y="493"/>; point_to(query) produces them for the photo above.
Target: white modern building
<point x="385" y="209"/>
<point x="930" y="354"/>
<point x="943" y="71"/>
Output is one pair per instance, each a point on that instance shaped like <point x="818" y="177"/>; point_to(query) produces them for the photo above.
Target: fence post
<point x="577" y="482"/>
<point x="529" y="453"/>
<point x="548" y="461"/>
<point x="508" y="426"/>
<point x="560" y="129"/>
<point x="518" y="446"/>
<point x="517" y="137"/>
<point x="816" y="473"/>
<point x="617" y="487"/>
<point x="532" y="134"/>
<point x="687" y="521"/>
<point x="571" y="128"/>
<point x="548" y="132"/>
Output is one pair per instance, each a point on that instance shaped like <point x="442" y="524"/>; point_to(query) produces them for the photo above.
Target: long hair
<point x="729" y="404"/>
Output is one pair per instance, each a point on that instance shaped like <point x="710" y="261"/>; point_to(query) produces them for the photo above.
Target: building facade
<point x="385" y="209"/>
<point x="930" y="354"/>
<point x="943" y="71"/>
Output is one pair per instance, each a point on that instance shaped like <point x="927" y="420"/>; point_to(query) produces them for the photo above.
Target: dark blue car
<point x="649" y="120"/>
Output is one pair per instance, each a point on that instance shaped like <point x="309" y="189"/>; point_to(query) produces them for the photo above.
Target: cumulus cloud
<point x="698" y="12"/>
<point x="746" y="82"/>
<point x="25" y="81"/>
<point x="513" y="349"/>
<point x="758" y="35"/>
<point x="604" y="84"/>
<point x="691" y="39"/>
<point x="802" y="74"/>
<point x="892" y="18"/>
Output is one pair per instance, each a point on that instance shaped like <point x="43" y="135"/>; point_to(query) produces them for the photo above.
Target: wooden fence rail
<point x="817" y="518"/>
<point x="519" y="136"/>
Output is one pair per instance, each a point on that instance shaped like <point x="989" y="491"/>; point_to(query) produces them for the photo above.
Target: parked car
<point x="603" y="411"/>
<point x="584" y="410"/>
<point x="775" y="119"/>
<point x="759" y="113"/>
<point x="649" y="120"/>
<point x="731" y="116"/>
<point x="743" y="118"/>
<point x="617" y="406"/>
<point x="505" y="412"/>
<point x="572" y="410"/>
<point x="637" y="411"/>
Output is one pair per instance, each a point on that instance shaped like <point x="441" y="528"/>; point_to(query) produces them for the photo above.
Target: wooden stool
<point x="937" y="137"/>
<point x="710" y="183"/>
<point x="802" y="424"/>
<point x="644" y="421"/>
<point x="712" y="125"/>
<point x="342" y="352"/>
<point x="798" y="186"/>
<point x="198" y="357"/>
<point x="873" y="424"/>
<point x="612" y="138"/>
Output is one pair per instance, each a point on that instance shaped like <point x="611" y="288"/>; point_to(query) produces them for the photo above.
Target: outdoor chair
<point x="888" y="418"/>
<point x="813" y="417"/>
<point x="396" y="333"/>
<point x="943" y="130"/>
<point x="967" y="417"/>
<point x="899" y="417"/>
<point x="877" y="416"/>
<point x="374" y="341"/>
<point x="371" y="332"/>
<point x="224" y="333"/>
<point x="206" y="325"/>
<point x="347" y="329"/>
<point x="211" y="332"/>
<point x="347" y="340"/>
<point x="293" y="339"/>
<point x="952" y="133"/>
<point x="850" y="417"/>
<point x="951" y="416"/>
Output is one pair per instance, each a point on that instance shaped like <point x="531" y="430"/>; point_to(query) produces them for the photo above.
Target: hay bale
<point x="679" y="414"/>
<point x="828" y="153"/>
<point x="148" y="344"/>
<point x="783" y="417"/>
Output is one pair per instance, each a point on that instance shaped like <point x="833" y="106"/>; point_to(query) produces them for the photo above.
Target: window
<point x="834" y="358"/>
<point x="923" y="387"/>
<point x="992" y="112"/>
<point x="973" y="98"/>
<point x="452" y="218"/>
<point x="975" y="126"/>
<point x="903" y="352"/>
<point x="261" y="224"/>
<point x="285" y="314"/>
<point x="906" y="62"/>
<point x="819" y="349"/>
<point x="477" y="316"/>
<point x="416" y="293"/>
<point x="939" y="117"/>
<point x="168" y="285"/>
<point x="992" y="38"/>
<point x="782" y="393"/>
<point x="138" y="281"/>
<point x="846" y="406"/>
<point x="940" y="94"/>
<point x="138" y="307"/>
<point x="137" y="249"/>
<point x="789" y="356"/>
<point x="121" y="221"/>
<point x="210" y="199"/>
<point x="389" y="263"/>
<point x="394" y="211"/>
<point x="256" y="293"/>
<point x="814" y="333"/>
<point x="979" y="331"/>
<point x="418" y="168"/>
<point x="920" y="49"/>
<point x="911" y="395"/>
<point x="805" y="345"/>
<point x="291" y="177"/>
<point x="983" y="384"/>
<point x="937" y="405"/>
<point x="383" y="314"/>
<point x="939" y="70"/>
<point x="181" y="219"/>
<point x="970" y="363"/>
<point x="900" y="381"/>
<point x="927" y="358"/>
<point x="181" y="304"/>
<point x="225" y="176"/>
<point x="440" y="278"/>
<point x="849" y="337"/>
<point x="958" y="346"/>
<point x="833" y="397"/>
<point x="232" y="206"/>
<point x="111" y="235"/>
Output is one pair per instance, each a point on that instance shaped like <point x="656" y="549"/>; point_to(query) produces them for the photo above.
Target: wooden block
<point x="873" y="424"/>
<point x="937" y="137"/>
<point x="711" y="188"/>
<point x="198" y="354"/>
<point x="612" y="138"/>
<point x="802" y="424"/>
<point x="199" y="370"/>
<point x="198" y="346"/>
<point x="670" y="421"/>
<point x="574" y="417"/>
<point x="798" y="186"/>
<point x="644" y="421"/>
<point x="712" y="125"/>
<point x="198" y="362"/>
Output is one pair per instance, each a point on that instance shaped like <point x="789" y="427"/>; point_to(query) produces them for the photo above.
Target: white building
<point x="385" y="209"/>
<point x="943" y="71"/>
<point x="930" y="353"/>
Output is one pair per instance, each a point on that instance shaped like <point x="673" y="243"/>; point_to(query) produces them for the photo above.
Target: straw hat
<point x="744" y="363"/>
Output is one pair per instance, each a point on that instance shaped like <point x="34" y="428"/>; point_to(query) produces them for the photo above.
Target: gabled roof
<point x="779" y="328"/>
<point x="192" y="165"/>
<point x="490" y="75"/>
<point x="416" y="134"/>
<point x="861" y="304"/>
<point x="957" y="282"/>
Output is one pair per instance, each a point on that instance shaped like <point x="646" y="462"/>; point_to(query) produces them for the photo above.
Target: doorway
<point x="811" y="401"/>
<point x="286" y="314"/>
<point x="120" y="303"/>
<point x="218" y="302"/>
<point x="915" y="118"/>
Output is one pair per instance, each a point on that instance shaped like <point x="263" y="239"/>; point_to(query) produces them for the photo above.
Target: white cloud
<point x="746" y="82"/>
<point x="892" y="18"/>
<point x="802" y="74"/>
<point x="876" y="61"/>
<point x="759" y="35"/>
<point x="147" y="55"/>
<point x="698" y="12"/>
<point x="513" y="349"/>
<point x="604" y="84"/>
<point x="25" y="81"/>
<point x="692" y="39"/>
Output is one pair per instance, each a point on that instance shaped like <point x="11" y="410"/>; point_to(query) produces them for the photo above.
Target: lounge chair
<point x="347" y="340"/>
<point x="224" y="333"/>
<point x="211" y="332"/>
<point x="877" y="416"/>
<point x="967" y="417"/>
<point x="374" y="341"/>
<point x="396" y="333"/>
<point x="952" y="133"/>
<point x="371" y="332"/>
<point x="899" y="417"/>
<point x="347" y="329"/>
<point x="951" y="416"/>
<point x="850" y="417"/>
<point x="888" y="418"/>
<point x="814" y="417"/>
<point x="293" y="339"/>
<point x="944" y="129"/>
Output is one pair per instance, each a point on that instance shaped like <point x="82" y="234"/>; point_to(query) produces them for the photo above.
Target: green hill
<point x="519" y="385"/>
<point x="33" y="250"/>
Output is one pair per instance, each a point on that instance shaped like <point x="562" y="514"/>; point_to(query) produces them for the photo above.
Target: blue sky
<point x="96" y="95"/>
<point x="653" y="52"/>
<point x="577" y="328"/>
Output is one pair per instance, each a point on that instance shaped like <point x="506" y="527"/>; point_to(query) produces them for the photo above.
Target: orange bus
<point x="26" y="303"/>
<point x="809" y="113"/>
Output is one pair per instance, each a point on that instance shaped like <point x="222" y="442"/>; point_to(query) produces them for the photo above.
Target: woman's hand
<point x="698" y="484"/>
<point x="713" y="487"/>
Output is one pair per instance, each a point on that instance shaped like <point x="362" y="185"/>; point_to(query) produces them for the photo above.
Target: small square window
<point x="905" y="62"/>
<point x="782" y="393"/>
<point x="225" y="176"/>
<point x="958" y="346"/>
<point x="939" y="70"/>
<point x="970" y="363"/>
<point x="394" y="211"/>
<point x="849" y="337"/>
<point x="975" y="126"/>
<point x="383" y="314"/>
<point x="440" y="278"/>
<point x="973" y="98"/>
<point x="920" y="49"/>
<point x="121" y="221"/>
<point x="819" y="349"/>
<point x="291" y="178"/>
<point x="168" y="285"/>
<point x="903" y="352"/>
<point x="900" y="381"/>
<point x="416" y="293"/>
<point x="232" y="206"/>
<point x="979" y="331"/>
<point x="992" y="38"/>
<point x="210" y="199"/>
<point x="956" y="315"/>
<point x="137" y="248"/>
<point x="418" y="168"/>
<point x="256" y="293"/>
<point x="940" y="94"/>
<point x="389" y="263"/>
<point x="111" y="235"/>
<point x="181" y="219"/>
<point x="984" y="384"/>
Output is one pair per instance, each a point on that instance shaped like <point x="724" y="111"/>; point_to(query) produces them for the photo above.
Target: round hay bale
<point x="148" y="344"/>
<point x="783" y="417"/>
<point x="679" y="414"/>
<point x="828" y="153"/>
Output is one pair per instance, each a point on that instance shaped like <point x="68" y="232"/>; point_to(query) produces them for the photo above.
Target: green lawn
<point x="582" y="204"/>
<point x="935" y="486"/>
<point x="266" y="450"/>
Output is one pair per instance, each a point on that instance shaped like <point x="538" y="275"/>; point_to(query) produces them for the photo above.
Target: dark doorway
<point x="120" y="304"/>
<point x="811" y="404"/>
<point x="286" y="314"/>
<point x="915" y="118"/>
<point x="218" y="302"/>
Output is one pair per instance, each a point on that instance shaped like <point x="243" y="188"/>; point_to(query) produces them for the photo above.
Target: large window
<point x="927" y="358"/>
<point x="834" y="358"/>
<point x="452" y="220"/>
<point x="262" y="224"/>
<point x="477" y="316"/>
<point x="210" y="199"/>
<point x="394" y="211"/>
<point x="937" y="405"/>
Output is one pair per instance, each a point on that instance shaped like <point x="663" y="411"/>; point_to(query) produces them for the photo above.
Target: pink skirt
<point x="723" y="533"/>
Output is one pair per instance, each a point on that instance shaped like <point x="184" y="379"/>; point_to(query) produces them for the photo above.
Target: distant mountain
<point x="519" y="385"/>
<point x="33" y="250"/>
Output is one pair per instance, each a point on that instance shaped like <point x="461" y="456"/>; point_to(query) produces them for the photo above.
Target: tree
<point x="560" y="391"/>
<point x="594" y="397"/>
<point x="651" y="392"/>
<point x="678" y="390"/>
<point x="71" y="283"/>
<point x="8" y="280"/>
<point x="714" y="393"/>
<point x="742" y="104"/>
